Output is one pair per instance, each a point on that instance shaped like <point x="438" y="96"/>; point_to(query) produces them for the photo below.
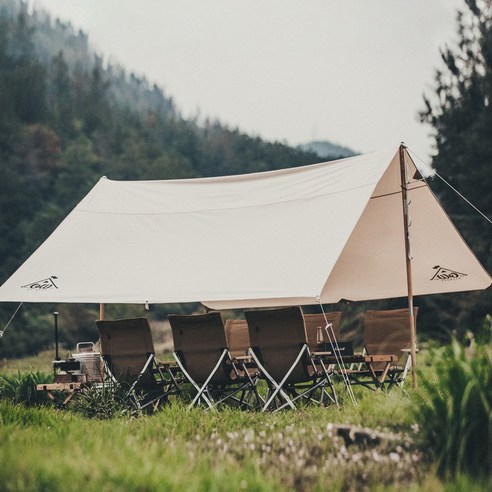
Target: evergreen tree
<point x="460" y="114"/>
<point x="60" y="96"/>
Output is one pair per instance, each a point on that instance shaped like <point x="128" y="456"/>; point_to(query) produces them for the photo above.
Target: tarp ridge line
<point x="367" y="185"/>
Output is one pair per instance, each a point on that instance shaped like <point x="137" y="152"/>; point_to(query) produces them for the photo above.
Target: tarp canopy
<point x="331" y="231"/>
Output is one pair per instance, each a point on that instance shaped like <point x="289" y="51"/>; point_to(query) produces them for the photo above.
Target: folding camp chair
<point x="323" y="328"/>
<point x="129" y="360"/>
<point x="237" y="336"/>
<point x="280" y="348"/>
<point x="202" y="353"/>
<point x="386" y="332"/>
<point x="322" y="322"/>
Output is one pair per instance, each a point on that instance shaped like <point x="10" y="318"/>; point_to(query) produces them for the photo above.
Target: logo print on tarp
<point x="445" y="274"/>
<point x="46" y="283"/>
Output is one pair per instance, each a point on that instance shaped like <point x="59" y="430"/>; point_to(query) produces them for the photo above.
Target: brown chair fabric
<point x="313" y="321"/>
<point x="237" y="336"/>
<point x="199" y="341"/>
<point x="388" y="332"/>
<point x="126" y="345"/>
<point x="277" y="336"/>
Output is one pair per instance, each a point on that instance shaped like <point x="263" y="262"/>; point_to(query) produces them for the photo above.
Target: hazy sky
<point x="349" y="71"/>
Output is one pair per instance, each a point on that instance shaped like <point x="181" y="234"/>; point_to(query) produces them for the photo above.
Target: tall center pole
<point x="55" y="314"/>
<point x="408" y="257"/>
<point x="102" y="311"/>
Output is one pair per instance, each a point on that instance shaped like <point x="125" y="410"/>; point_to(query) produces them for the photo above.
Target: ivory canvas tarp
<point x="331" y="231"/>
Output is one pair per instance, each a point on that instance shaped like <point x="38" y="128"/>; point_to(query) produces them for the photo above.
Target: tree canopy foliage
<point x="460" y="114"/>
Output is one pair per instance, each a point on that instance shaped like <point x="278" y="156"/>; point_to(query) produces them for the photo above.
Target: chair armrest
<point x="166" y="363"/>
<point x="242" y="360"/>
<point x="241" y="357"/>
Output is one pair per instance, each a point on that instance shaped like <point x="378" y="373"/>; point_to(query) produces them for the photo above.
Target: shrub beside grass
<point x="21" y="388"/>
<point x="18" y="416"/>
<point x="106" y="402"/>
<point x="455" y="411"/>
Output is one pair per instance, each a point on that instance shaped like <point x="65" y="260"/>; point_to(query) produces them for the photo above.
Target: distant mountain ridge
<point x="327" y="150"/>
<point x="53" y="36"/>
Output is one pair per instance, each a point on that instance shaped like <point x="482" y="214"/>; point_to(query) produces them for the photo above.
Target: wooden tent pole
<point x="408" y="257"/>
<point x="102" y="311"/>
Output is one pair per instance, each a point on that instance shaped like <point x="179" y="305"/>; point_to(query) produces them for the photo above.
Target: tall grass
<point x="31" y="363"/>
<point x="182" y="449"/>
<point x="108" y="401"/>
<point x="455" y="411"/>
<point x="21" y="388"/>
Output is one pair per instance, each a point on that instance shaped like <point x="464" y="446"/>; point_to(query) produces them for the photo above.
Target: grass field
<point x="195" y="450"/>
<point x="40" y="362"/>
<point x="179" y="449"/>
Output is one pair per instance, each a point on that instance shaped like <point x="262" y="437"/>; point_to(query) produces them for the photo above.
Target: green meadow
<point x="435" y="438"/>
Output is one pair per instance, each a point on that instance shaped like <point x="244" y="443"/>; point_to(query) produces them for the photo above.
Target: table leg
<point x="378" y="381"/>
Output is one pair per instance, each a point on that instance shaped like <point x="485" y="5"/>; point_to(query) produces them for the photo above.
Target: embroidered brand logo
<point x="445" y="274"/>
<point x="46" y="283"/>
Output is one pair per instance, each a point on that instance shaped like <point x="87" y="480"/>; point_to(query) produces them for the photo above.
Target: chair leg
<point x="204" y="388"/>
<point x="190" y="379"/>
<point x="173" y="383"/>
<point x="408" y="365"/>
<point x="327" y="379"/>
<point x="304" y="394"/>
<point x="254" y="388"/>
<point x="205" y="384"/>
<point x="279" y="386"/>
<point x="243" y="391"/>
<point x="271" y="383"/>
<point x="111" y="381"/>
<point x="250" y="386"/>
<point x="142" y="372"/>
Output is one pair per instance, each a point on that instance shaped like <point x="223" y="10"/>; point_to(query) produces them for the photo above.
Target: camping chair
<point x="237" y="336"/>
<point x="280" y="348"/>
<point x="129" y="360"/>
<point x="328" y="328"/>
<point x="386" y="332"/>
<point x="203" y="355"/>
<point x="315" y="321"/>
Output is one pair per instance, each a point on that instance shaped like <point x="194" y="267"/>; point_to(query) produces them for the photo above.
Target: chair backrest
<point x="199" y="340"/>
<point x="277" y="336"/>
<point x="388" y="332"/>
<point x="237" y="336"/>
<point x="126" y="345"/>
<point x="313" y="321"/>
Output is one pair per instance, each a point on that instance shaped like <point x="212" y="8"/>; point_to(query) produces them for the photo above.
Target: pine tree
<point x="460" y="113"/>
